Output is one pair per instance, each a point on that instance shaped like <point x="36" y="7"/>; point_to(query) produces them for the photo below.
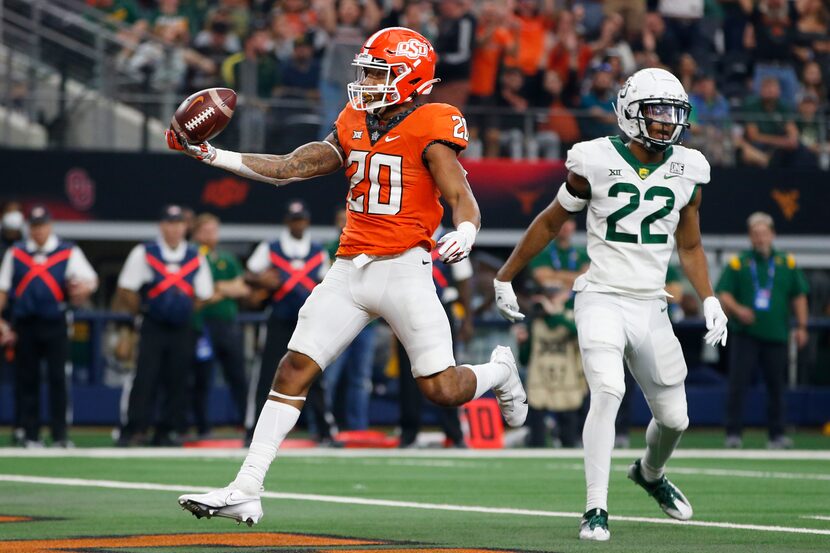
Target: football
<point x="204" y="114"/>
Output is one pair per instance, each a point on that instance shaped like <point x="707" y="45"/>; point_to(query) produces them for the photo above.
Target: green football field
<point x="92" y="499"/>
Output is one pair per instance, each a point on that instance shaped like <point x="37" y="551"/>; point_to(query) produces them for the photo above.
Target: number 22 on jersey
<point x="384" y="173"/>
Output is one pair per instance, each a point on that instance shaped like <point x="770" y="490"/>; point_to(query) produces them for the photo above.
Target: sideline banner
<point x="132" y="187"/>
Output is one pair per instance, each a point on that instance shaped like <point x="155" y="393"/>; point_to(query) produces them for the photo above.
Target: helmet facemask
<point x="372" y="98"/>
<point x="671" y="116"/>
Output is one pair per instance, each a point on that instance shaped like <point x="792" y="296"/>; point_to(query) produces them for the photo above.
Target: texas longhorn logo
<point x="412" y="49"/>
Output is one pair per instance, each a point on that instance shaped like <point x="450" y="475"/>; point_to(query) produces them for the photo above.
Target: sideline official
<point x="758" y="288"/>
<point x="290" y="267"/>
<point x="38" y="277"/>
<point x="167" y="280"/>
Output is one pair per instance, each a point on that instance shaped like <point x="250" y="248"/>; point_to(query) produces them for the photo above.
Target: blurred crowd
<point x="533" y="76"/>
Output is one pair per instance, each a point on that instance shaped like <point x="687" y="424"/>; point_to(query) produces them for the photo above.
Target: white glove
<point x="506" y="301"/>
<point x="715" y="322"/>
<point x="456" y="245"/>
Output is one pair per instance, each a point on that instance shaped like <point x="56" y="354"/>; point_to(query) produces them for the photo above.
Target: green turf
<point x="705" y="438"/>
<point x="538" y="484"/>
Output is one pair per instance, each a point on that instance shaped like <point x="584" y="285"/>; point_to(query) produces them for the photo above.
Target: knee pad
<point x="604" y="371"/>
<point x="675" y="419"/>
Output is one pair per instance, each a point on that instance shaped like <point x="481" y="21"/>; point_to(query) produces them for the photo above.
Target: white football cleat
<point x="228" y="502"/>
<point x="667" y="495"/>
<point x="594" y="526"/>
<point x="510" y="394"/>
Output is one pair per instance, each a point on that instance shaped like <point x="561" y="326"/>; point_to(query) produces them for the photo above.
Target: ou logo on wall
<point x="412" y="49"/>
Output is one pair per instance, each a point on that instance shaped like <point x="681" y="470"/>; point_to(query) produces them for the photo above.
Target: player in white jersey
<point x="642" y="197"/>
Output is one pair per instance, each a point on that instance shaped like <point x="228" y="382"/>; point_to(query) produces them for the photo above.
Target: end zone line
<point x="113" y="484"/>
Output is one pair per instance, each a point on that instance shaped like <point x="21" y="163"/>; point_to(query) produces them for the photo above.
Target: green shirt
<point x="560" y="259"/>
<point x="772" y="324"/>
<point x="772" y="122"/>
<point x="223" y="266"/>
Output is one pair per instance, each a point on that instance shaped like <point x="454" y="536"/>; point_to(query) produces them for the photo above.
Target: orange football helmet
<point x="408" y="60"/>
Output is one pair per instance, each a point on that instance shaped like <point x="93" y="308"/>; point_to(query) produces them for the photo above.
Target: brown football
<point x="204" y="114"/>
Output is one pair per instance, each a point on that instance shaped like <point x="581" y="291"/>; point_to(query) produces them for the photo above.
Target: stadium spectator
<point x="711" y="130"/>
<point x="157" y="64"/>
<point x="289" y="268"/>
<point x="611" y="42"/>
<point x="454" y="46"/>
<point x="299" y="15"/>
<point x="38" y="277"/>
<point x="555" y="381"/>
<point x="812" y="82"/>
<point x="11" y="231"/>
<point x="238" y="11"/>
<point x="494" y="40"/>
<point x="656" y="45"/>
<point x="533" y="21"/>
<point x="770" y="40"/>
<point x="301" y="73"/>
<point x="599" y="118"/>
<point x="118" y="11"/>
<point x="570" y="55"/>
<point x="509" y="133"/>
<point x="811" y="136"/>
<point x="412" y="14"/>
<point x="770" y="129"/>
<point x="11" y="228"/>
<point x="253" y="72"/>
<point x="683" y="20"/>
<point x="560" y="129"/>
<point x="687" y="70"/>
<point x="172" y="14"/>
<point x="812" y="39"/>
<point x="215" y="43"/>
<point x="167" y="280"/>
<point x="631" y="12"/>
<point x="759" y="288"/>
<point x="356" y="361"/>
<point x="346" y="25"/>
<point x="216" y="325"/>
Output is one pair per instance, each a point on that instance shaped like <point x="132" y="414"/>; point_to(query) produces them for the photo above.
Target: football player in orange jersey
<point x="400" y="158"/>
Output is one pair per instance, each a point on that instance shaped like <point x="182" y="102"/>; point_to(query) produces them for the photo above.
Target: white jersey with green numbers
<point x="633" y="213"/>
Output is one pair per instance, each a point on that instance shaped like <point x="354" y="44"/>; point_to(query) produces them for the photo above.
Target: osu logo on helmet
<point x="412" y="49"/>
<point x="405" y="61"/>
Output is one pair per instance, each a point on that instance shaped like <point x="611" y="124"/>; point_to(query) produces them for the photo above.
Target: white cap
<point x="13" y="220"/>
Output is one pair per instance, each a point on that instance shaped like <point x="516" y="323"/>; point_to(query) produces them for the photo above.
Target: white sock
<point x="488" y="375"/>
<point x="275" y="422"/>
<point x="660" y="444"/>
<point x="598" y="442"/>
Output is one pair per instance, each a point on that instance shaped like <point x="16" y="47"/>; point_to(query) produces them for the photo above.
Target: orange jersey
<point x="393" y="202"/>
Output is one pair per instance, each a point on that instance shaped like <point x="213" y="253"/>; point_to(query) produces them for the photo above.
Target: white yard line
<point x="111" y="484"/>
<point x="816" y="517"/>
<point x="239" y="453"/>
<point x="711" y="472"/>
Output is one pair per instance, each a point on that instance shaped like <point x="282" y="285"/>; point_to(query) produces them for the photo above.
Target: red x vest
<point x="297" y="281"/>
<point x="39" y="288"/>
<point x="169" y="296"/>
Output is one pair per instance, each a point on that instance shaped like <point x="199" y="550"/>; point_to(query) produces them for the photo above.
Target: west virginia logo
<point x="412" y="49"/>
<point x="787" y="201"/>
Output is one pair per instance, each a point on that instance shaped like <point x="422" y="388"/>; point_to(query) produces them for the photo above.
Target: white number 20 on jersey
<point x="460" y="129"/>
<point x="376" y="162"/>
